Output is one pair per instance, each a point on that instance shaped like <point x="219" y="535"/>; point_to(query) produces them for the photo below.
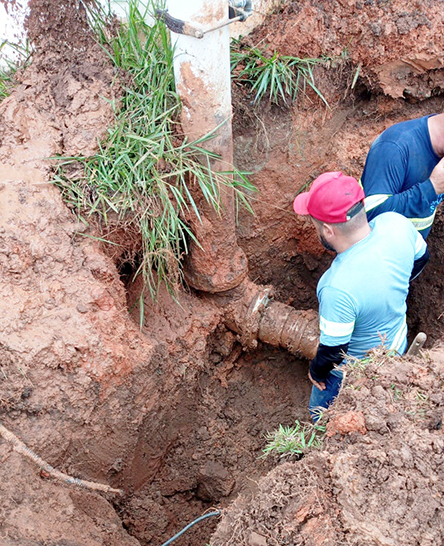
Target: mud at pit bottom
<point x="206" y="447"/>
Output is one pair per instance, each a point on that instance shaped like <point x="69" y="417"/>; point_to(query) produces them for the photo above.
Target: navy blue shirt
<point x="396" y="174"/>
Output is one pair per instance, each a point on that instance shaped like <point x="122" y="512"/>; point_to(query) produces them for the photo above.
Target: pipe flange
<point x="250" y="327"/>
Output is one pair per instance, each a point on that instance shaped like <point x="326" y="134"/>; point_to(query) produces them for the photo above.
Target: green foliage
<point x="143" y="172"/>
<point x="9" y="68"/>
<point x="357" y="365"/>
<point x="297" y="440"/>
<point x="5" y="82"/>
<point x="280" y="77"/>
<point x="396" y="393"/>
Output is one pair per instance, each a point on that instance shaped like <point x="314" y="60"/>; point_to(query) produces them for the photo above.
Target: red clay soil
<point x="37" y="511"/>
<point x="398" y="45"/>
<point x="173" y="413"/>
<point x="79" y="383"/>
<point x="378" y="478"/>
<point x="211" y="435"/>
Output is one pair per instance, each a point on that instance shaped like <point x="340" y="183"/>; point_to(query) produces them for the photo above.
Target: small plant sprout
<point x="356" y="364"/>
<point x="397" y="393"/>
<point x="352" y="387"/>
<point x="294" y="440"/>
<point x="422" y="397"/>
<point x="420" y="403"/>
<point x="356" y="76"/>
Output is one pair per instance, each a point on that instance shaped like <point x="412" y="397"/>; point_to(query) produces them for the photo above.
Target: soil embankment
<point x="378" y="478"/>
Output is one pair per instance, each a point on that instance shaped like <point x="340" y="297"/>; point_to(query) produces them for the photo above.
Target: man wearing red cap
<point x="362" y="296"/>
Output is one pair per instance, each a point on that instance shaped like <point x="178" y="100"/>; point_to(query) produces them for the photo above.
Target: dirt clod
<point x="347" y="423"/>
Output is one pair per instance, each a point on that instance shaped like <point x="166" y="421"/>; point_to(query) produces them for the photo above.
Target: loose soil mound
<point x="379" y="477"/>
<point x="397" y="45"/>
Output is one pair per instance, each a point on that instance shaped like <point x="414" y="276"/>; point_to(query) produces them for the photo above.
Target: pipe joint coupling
<point x="250" y="327"/>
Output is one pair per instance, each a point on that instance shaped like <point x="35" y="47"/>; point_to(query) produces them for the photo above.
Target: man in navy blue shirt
<point x="362" y="296"/>
<point x="404" y="171"/>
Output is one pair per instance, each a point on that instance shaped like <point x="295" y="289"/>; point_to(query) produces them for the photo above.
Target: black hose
<point x="177" y="535"/>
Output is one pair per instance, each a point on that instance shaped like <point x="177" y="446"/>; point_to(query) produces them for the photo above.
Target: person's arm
<point x="413" y="203"/>
<point x="337" y="317"/>
<point x="326" y="359"/>
<point x="383" y="179"/>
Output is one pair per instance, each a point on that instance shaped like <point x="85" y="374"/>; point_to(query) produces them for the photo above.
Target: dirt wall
<point x="78" y="379"/>
<point x="397" y="45"/>
<point x="38" y="511"/>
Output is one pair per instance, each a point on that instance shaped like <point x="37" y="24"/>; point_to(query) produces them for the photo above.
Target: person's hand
<point x="437" y="177"/>
<point x="318" y="384"/>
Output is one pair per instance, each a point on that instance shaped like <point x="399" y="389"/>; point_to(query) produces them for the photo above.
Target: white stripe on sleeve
<point x="336" y="329"/>
<point x="423" y="223"/>
<point x="399" y="337"/>
<point x="374" y="201"/>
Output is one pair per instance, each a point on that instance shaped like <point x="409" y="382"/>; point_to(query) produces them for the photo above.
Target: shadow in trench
<point x="206" y="446"/>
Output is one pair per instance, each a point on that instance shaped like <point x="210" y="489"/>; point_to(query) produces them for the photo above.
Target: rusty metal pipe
<point x="295" y="330"/>
<point x="250" y="311"/>
<point x="203" y="81"/>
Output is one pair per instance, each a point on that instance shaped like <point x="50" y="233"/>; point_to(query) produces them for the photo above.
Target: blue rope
<point x="218" y="513"/>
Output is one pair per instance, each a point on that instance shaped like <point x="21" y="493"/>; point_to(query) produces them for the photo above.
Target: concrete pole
<point x="202" y="75"/>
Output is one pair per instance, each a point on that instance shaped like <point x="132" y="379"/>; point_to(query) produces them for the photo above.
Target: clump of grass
<point x="280" y="77"/>
<point x="9" y="67"/>
<point x="294" y="440"/>
<point x="376" y="358"/>
<point x="144" y="173"/>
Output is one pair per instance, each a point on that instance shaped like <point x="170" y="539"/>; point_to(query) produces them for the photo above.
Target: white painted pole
<point x="202" y="66"/>
<point x="202" y="75"/>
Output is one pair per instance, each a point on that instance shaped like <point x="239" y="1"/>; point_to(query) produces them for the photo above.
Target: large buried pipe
<point x="251" y="312"/>
<point x="219" y="267"/>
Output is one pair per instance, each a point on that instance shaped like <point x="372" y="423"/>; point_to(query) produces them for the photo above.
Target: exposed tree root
<point x="24" y="450"/>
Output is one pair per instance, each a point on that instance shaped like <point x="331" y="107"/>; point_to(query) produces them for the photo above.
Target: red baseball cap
<point x="330" y="198"/>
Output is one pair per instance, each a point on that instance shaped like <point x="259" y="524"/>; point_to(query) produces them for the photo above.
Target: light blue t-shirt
<point x="362" y="297"/>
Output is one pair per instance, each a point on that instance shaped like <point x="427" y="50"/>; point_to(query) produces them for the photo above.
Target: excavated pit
<point x="211" y="437"/>
<point x="205" y="448"/>
<point x="176" y="414"/>
<point x="239" y="397"/>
